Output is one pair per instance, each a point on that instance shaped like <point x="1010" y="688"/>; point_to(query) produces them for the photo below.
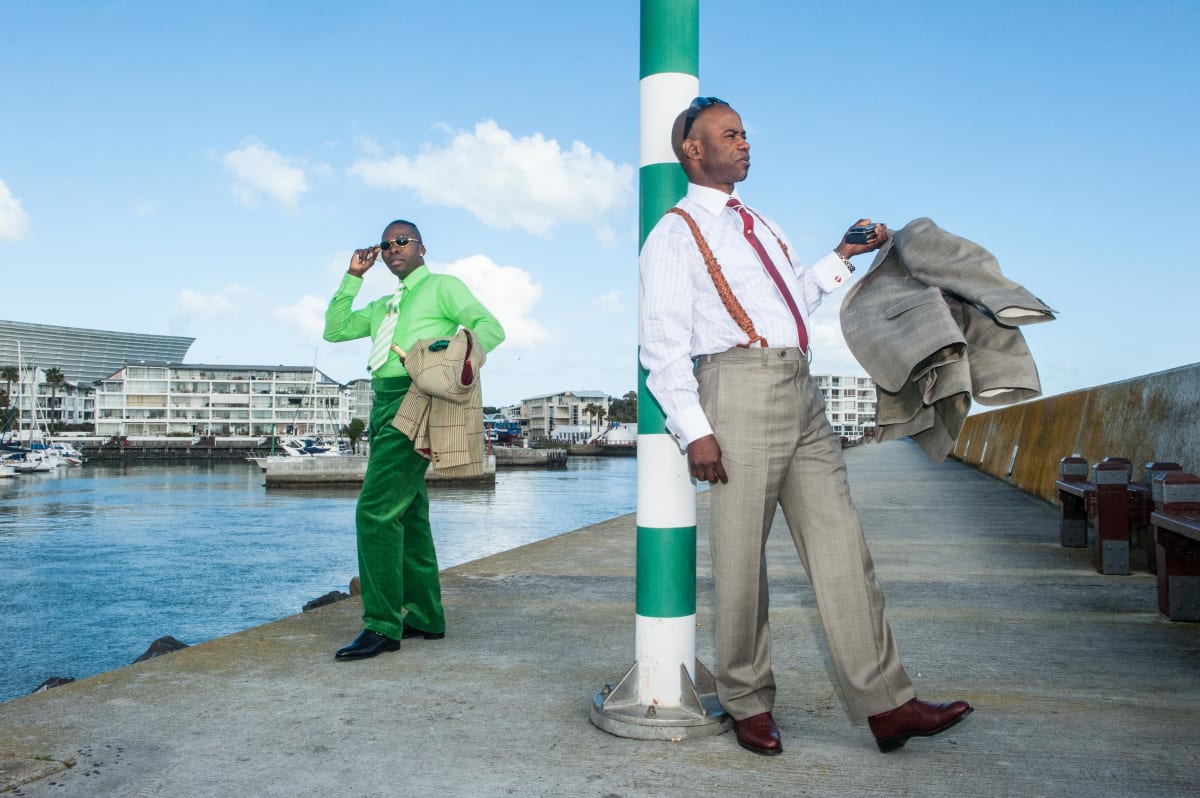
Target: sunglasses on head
<point x="399" y="241"/>
<point x="693" y="111"/>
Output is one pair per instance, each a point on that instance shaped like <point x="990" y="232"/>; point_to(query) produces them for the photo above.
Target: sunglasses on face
<point x="399" y="241"/>
<point x="693" y="111"/>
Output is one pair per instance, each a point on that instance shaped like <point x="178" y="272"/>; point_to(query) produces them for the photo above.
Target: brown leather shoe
<point x="915" y="719"/>
<point x="758" y="733"/>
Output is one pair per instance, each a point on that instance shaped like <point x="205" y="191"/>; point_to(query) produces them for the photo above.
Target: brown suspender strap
<point x="736" y="311"/>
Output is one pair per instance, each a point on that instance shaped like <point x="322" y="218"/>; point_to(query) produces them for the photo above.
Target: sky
<point x="206" y="169"/>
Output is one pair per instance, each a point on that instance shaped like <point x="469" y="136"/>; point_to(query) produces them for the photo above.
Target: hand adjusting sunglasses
<point x="693" y="111"/>
<point x="399" y="241"/>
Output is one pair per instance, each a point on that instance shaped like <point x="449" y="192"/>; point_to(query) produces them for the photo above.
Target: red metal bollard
<point x="1125" y="461"/>
<point x="1145" y="506"/>
<point x="1073" y="489"/>
<point x="1111" y="552"/>
<point x="1176" y="520"/>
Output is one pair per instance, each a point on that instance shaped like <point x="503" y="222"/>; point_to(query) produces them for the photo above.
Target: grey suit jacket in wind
<point x="934" y="322"/>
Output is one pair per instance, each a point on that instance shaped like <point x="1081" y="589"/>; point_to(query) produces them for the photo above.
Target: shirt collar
<point x="711" y="199"/>
<point x="415" y="277"/>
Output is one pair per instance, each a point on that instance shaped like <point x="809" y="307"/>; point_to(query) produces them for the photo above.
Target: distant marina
<point x="100" y="561"/>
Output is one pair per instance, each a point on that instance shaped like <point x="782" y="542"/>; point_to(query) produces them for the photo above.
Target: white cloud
<point x="14" y="221"/>
<point x="370" y="147"/>
<point x="191" y="305"/>
<point x="830" y="353"/>
<point x="606" y="235"/>
<point x="306" y="317"/>
<point x="608" y="303"/>
<point x="508" y="292"/>
<point x="259" y="170"/>
<point x="529" y="182"/>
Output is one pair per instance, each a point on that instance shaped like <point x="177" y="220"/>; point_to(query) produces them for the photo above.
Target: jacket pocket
<point x="926" y="297"/>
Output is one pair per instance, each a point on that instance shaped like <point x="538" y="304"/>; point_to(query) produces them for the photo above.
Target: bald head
<point x="686" y="122"/>
<point x="677" y="134"/>
<point x="710" y="143"/>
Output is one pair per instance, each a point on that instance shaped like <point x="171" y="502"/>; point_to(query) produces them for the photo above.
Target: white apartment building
<point x="188" y="399"/>
<point x="574" y="433"/>
<point x="849" y="404"/>
<point x="361" y="399"/>
<point x="540" y="416"/>
<point x="33" y="402"/>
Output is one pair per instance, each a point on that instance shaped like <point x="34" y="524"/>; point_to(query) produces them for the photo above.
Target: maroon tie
<point x="748" y="231"/>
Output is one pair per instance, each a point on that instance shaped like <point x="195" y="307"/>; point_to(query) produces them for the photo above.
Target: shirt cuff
<point x="831" y="272"/>
<point x="690" y="426"/>
<point x="351" y="284"/>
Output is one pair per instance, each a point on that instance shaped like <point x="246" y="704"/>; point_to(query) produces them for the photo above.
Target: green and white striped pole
<point x="667" y="694"/>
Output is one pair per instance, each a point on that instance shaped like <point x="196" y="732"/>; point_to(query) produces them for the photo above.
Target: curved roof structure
<point x="85" y="356"/>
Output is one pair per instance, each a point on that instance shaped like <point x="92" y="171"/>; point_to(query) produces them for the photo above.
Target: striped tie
<point x="380" y="348"/>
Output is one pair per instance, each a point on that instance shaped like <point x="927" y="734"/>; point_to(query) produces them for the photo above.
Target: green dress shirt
<point x="434" y="305"/>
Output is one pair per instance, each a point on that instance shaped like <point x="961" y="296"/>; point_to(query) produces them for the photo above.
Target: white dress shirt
<point x="683" y="318"/>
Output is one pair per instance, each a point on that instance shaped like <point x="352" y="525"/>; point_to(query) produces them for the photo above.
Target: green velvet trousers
<point x="397" y="564"/>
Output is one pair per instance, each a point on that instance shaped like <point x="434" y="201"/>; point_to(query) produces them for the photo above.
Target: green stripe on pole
<point x="670" y="37"/>
<point x="662" y="185"/>
<point x="666" y="592"/>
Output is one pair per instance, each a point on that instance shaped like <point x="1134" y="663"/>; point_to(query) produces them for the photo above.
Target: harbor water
<point x="99" y="561"/>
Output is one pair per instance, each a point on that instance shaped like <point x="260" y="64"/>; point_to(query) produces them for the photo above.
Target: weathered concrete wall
<point x="518" y="456"/>
<point x="349" y="470"/>
<point x="1154" y="417"/>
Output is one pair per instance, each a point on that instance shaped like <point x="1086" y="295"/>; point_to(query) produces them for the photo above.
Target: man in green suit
<point x="397" y="563"/>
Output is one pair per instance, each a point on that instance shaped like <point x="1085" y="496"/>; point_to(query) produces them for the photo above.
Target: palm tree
<point x="600" y="414"/>
<point x="5" y="413"/>
<point x="55" y="378"/>
<point x="354" y="431"/>
<point x="591" y="411"/>
<point x="9" y="374"/>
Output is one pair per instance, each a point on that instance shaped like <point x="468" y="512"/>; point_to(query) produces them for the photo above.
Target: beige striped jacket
<point x="443" y="410"/>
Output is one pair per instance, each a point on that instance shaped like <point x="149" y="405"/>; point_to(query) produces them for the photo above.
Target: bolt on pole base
<point x="617" y="711"/>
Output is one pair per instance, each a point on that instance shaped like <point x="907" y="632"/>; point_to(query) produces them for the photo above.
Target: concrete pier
<point x="518" y="457"/>
<point x="349" y="470"/>
<point x="1080" y="687"/>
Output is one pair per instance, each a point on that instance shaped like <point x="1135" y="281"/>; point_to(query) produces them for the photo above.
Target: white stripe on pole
<point x="666" y="496"/>
<point x="663" y="96"/>
<point x="662" y="644"/>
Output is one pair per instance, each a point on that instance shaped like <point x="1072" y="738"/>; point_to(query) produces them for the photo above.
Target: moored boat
<point x="302" y="447"/>
<point x="35" y="462"/>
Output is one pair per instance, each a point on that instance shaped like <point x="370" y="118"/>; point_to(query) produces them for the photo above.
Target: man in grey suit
<point x="724" y="338"/>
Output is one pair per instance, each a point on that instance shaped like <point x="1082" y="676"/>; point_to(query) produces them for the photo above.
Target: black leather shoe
<point x="410" y="631"/>
<point x="367" y="644"/>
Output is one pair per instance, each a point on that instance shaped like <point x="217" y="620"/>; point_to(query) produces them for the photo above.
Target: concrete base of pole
<point x="617" y="711"/>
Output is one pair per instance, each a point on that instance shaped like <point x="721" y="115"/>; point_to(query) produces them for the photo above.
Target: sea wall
<point x="349" y="470"/>
<point x="516" y="456"/>
<point x="175" y="450"/>
<point x="602" y="450"/>
<point x="1155" y="417"/>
